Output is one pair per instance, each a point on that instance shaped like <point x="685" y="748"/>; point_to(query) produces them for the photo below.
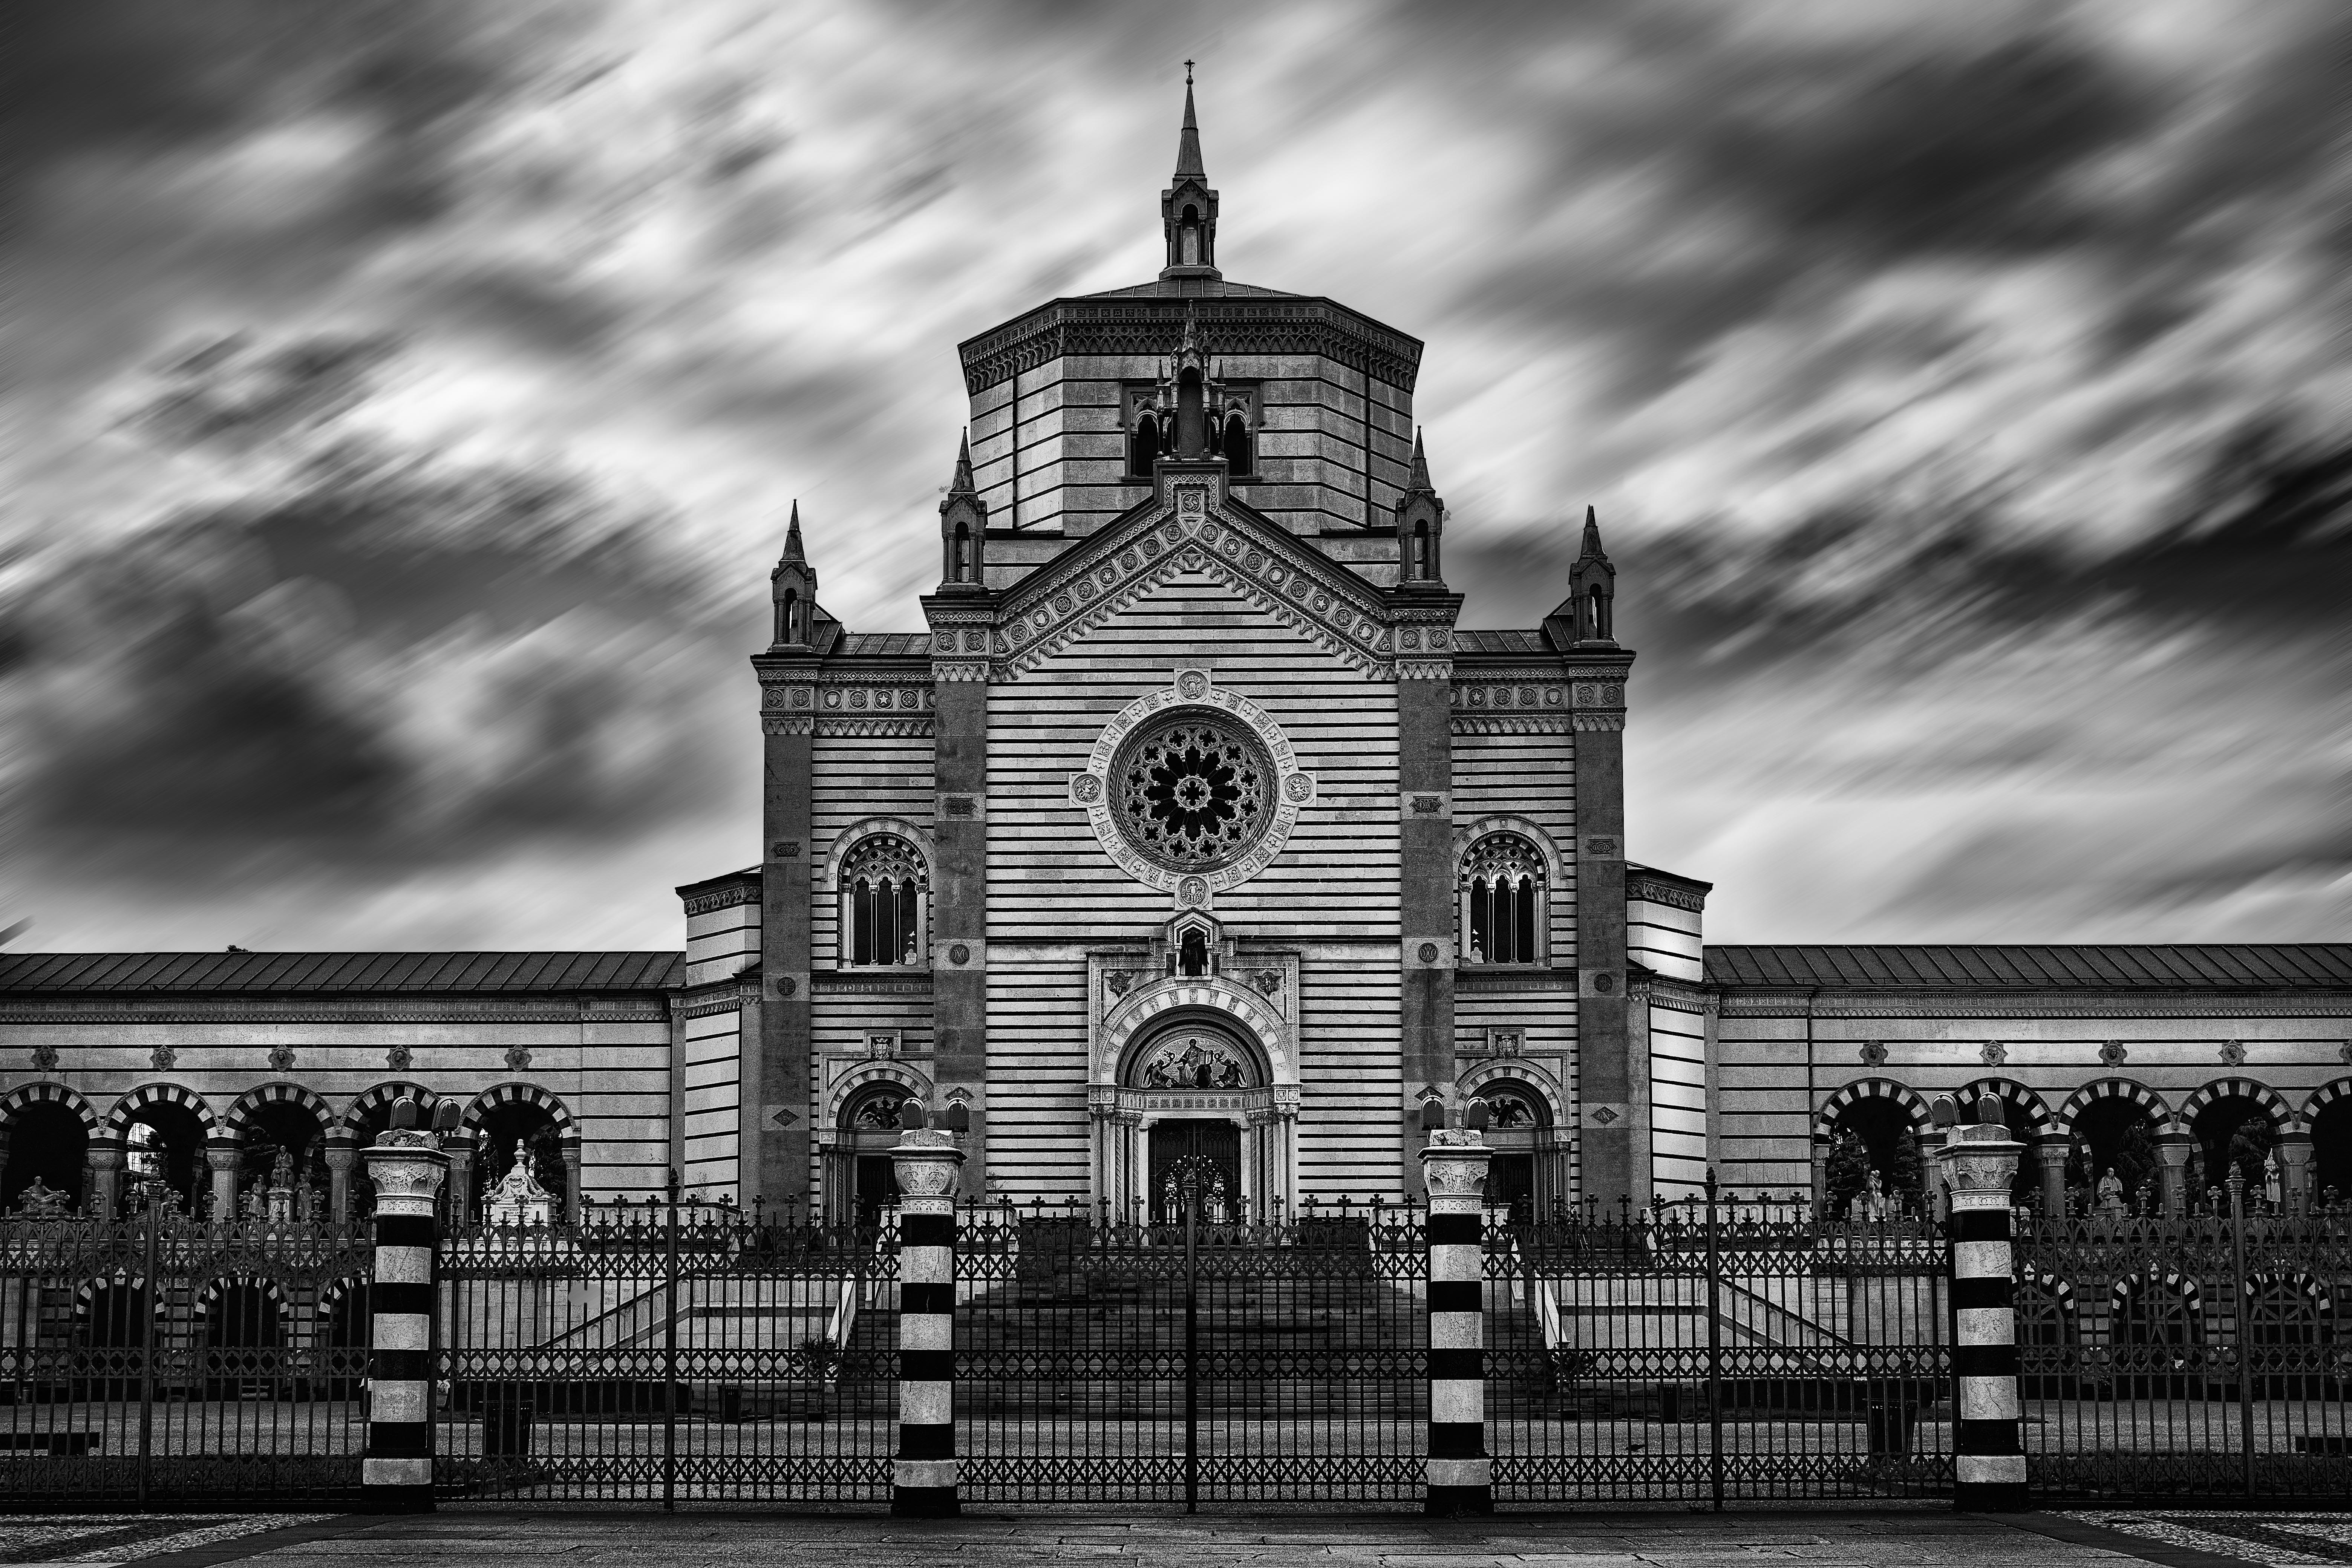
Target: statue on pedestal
<point x="2111" y="1193"/>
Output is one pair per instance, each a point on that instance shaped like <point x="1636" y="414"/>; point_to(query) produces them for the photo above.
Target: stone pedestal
<point x="568" y="1148"/>
<point x="2050" y="1152"/>
<point x="341" y="1151"/>
<point x="408" y="1167"/>
<point x="2173" y="1147"/>
<point x="464" y="1148"/>
<point x="923" y="1474"/>
<point x="2294" y="1152"/>
<point x="1460" y="1474"/>
<point x="225" y="1153"/>
<point x="1980" y="1162"/>
<point x="104" y="1158"/>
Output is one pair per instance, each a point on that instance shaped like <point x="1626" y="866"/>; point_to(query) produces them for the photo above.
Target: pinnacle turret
<point x="1188" y="140"/>
<point x="793" y="554"/>
<point x="1188" y="208"/>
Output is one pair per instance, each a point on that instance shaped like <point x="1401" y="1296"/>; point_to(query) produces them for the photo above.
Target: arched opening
<point x="963" y="552"/>
<point x="48" y="1143"/>
<point x="2113" y="1162"/>
<point x="1188" y="249"/>
<point x="164" y="1141"/>
<point x="1517" y="1118"/>
<point x="1144" y="449"/>
<point x="883" y="882"/>
<point x="872" y="1123"/>
<point x="2046" y="1321"/>
<point x="1874" y="1169"/>
<point x="283" y="1149"/>
<point x="343" y="1335"/>
<point x="1596" y="614"/>
<point x="1502" y="901"/>
<point x="788" y="614"/>
<point x="114" y="1316"/>
<point x="1191" y="415"/>
<point x="1417" y="566"/>
<point x="1195" y="1160"/>
<point x="1236" y="446"/>
<point x="1193" y="953"/>
<point x="242" y="1320"/>
<point x="513" y="1130"/>
<point x="2233" y="1132"/>
<point x="2331" y="1152"/>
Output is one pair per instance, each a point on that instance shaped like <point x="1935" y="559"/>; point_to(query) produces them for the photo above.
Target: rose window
<point x="1194" y="793"/>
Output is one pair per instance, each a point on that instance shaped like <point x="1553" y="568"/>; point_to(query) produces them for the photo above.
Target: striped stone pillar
<point x="1453" y="1172"/>
<point x="406" y="1165"/>
<point x="923" y="1475"/>
<point x="1980" y="1162"/>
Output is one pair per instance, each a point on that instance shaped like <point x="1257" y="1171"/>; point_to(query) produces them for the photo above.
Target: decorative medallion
<point x="281" y="1058"/>
<point x="1604" y="1116"/>
<point x="1994" y="1054"/>
<point x="1874" y="1053"/>
<point x="45" y="1058"/>
<point x="2113" y="1053"/>
<point x="517" y="1058"/>
<point x="397" y="1059"/>
<point x="1192" y="789"/>
<point x="2234" y="1053"/>
<point x="786" y="987"/>
<point x="2345" y="1051"/>
<point x="959" y="954"/>
<point x="162" y="1057"/>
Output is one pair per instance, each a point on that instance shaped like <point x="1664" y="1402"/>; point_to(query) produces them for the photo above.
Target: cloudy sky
<point x="409" y="396"/>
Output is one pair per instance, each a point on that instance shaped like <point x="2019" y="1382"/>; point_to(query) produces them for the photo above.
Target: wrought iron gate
<point x="668" y="1354"/>
<point x="2202" y="1355"/>
<point x="178" y="1362"/>
<point x="1711" y="1352"/>
<point x="1196" y="1362"/>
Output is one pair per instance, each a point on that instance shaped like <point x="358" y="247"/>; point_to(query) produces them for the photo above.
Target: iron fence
<point x="1707" y="1352"/>
<point x="171" y="1362"/>
<point x="1191" y="1361"/>
<point x="2197" y="1356"/>
<point x="668" y="1354"/>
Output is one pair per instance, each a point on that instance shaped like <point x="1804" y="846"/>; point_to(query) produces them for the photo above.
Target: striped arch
<point x="499" y="1094"/>
<point x="357" y="1112"/>
<point x="2061" y="1291"/>
<point x="128" y="1107"/>
<point x="853" y="1083"/>
<point x="1825" y="1120"/>
<point x="2152" y="1103"/>
<point x="16" y="1101"/>
<point x="1519" y="1072"/>
<point x="2273" y="1103"/>
<point x="2010" y="1092"/>
<point x="848" y="840"/>
<point x="212" y="1289"/>
<point x="332" y="1294"/>
<point x="123" y="1277"/>
<point x="1524" y="828"/>
<point x="240" y="1114"/>
<point x="2296" y="1282"/>
<point x="2326" y="1095"/>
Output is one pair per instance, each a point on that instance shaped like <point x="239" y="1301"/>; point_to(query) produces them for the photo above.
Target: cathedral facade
<point x="1194" y="825"/>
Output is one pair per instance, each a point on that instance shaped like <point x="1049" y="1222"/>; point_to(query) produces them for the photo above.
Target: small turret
<point x="1592" y="589"/>
<point x="792" y="585"/>
<point x="964" y="526"/>
<point x="1421" y="522"/>
<point x="1188" y="208"/>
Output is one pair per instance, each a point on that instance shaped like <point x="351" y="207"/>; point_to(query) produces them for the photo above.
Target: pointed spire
<point x="792" y="553"/>
<point x="961" y="483"/>
<point x="1188" y="140"/>
<point x="1419" y="479"/>
<point x="1592" y="551"/>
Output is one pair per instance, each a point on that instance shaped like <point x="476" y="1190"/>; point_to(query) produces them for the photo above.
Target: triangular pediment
<point x="1219" y="537"/>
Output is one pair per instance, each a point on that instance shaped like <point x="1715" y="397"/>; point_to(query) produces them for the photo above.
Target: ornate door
<point x="1219" y="1144"/>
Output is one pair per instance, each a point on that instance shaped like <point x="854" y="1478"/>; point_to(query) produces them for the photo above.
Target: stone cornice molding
<point x="744" y="893"/>
<point x="1150" y="327"/>
<point x="438" y="1012"/>
<point x="1650" y="889"/>
<point x="731" y="995"/>
<point x="2222" y="1005"/>
<point x="1516" y="724"/>
<point x="1424" y="669"/>
<point x="828" y="725"/>
<point x="1585" y="722"/>
<point x="788" y="723"/>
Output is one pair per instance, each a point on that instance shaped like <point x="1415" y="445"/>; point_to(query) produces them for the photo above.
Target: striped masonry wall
<point x="923" y="1475"/>
<point x="1461" y="1475"/>
<point x="1988" y="1448"/>
<point x="396" y="1471"/>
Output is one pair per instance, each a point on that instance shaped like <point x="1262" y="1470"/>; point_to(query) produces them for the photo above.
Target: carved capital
<point x="407" y="1167"/>
<point x="1980" y="1162"/>
<point x="927" y="1159"/>
<point x="1454" y="1167"/>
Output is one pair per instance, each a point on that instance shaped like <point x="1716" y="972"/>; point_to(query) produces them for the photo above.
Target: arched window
<point x="1193" y="954"/>
<point x="1418" y="571"/>
<point x="1191" y="242"/>
<point x="1145" y="448"/>
<point x="963" y="552"/>
<point x="788" y="617"/>
<point x="1599" y="611"/>
<point x="884" y="894"/>
<point x="1236" y="446"/>
<point x="1503" y="903"/>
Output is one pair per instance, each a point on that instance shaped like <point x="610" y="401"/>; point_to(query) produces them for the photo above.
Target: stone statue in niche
<point x="1194" y="1063"/>
<point x="1873" y="1197"/>
<point x="40" y="1201"/>
<point x="2111" y="1193"/>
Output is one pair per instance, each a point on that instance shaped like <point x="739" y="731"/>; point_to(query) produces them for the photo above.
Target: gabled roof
<point x="1501" y="642"/>
<point x="1200" y="287"/>
<point x="2235" y="966"/>
<point x="265" y="974"/>
<point x="883" y="645"/>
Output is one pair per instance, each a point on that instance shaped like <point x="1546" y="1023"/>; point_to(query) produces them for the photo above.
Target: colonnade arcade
<point x="279" y="1151"/>
<point x="2114" y="1144"/>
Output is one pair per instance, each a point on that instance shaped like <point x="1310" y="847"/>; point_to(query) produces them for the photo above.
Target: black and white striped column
<point x="1460" y="1478"/>
<point x="923" y="1475"/>
<point x="1980" y="1162"/>
<point x="406" y="1165"/>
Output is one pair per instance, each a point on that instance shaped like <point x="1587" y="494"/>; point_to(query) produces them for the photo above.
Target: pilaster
<point x="1615" y="1155"/>
<point x="1426" y="917"/>
<point x="772" y="1137"/>
<point x="962" y="623"/>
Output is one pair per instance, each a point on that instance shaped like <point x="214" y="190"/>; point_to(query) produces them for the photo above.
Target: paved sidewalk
<point x="1907" y="1538"/>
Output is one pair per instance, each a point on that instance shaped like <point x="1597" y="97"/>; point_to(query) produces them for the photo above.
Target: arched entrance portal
<point x="1193" y="1086"/>
<point x="48" y="1142"/>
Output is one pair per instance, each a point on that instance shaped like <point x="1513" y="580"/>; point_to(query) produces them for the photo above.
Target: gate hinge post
<point x="1461" y="1477"/>
<point x="408" y="1167"/>
<point x="1979" y="1162"/>
<point x="924" y="1476"/>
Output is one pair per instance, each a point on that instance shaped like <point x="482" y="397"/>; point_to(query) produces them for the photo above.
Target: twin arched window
<point x="1503" y="903"/>
<point x="885" y="898"/>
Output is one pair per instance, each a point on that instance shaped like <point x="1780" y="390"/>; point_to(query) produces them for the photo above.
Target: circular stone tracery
<point x="1194" y="792"/>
